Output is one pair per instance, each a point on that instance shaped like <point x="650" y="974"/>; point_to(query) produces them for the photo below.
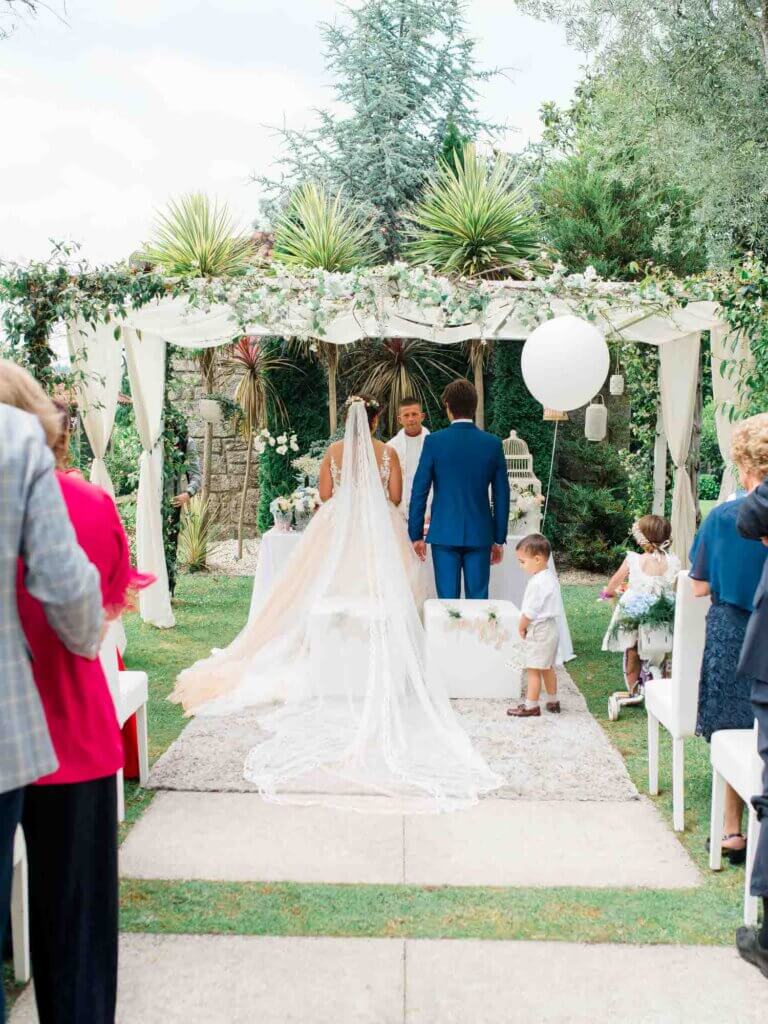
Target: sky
<point x="132" y="102"/>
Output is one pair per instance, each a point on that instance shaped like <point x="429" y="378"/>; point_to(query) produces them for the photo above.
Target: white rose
<point x="282" y="439"/>
<point x="281" y="449"/>
<point x="294" y="446"/>
<point x="272" y="442"/>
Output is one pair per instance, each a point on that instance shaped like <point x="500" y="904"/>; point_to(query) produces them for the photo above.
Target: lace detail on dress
<point x="385" y="470"/>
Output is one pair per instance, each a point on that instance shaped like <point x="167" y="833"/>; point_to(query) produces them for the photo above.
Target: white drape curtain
<point x="97" y="357"/>
<point x="678" y="381"/>
<point x="145" y="356"/>
<point x="730" y="355"/>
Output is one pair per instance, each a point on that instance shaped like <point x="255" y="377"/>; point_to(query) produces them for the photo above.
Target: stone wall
<point x="229" y="449"/>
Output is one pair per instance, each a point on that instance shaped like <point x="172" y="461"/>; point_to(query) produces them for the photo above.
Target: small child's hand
<point x="522" y="630"/>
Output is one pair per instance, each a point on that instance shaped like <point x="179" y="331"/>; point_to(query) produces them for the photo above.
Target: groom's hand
<point x="497" y="554"/>
<point x="420" y="547"/>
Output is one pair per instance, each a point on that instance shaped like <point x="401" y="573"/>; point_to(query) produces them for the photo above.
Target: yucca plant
<point x="477" y="219"/>
<point x="255" y="393"/>
<point x="398" y="367"/>
<point x="318" y="230"/>
<point x="196" y="237"/>
<point x="198" y="530"/>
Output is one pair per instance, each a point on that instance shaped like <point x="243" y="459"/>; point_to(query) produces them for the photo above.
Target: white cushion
<point x="658" y="700"/>
<point x="133" y="693"/>
<point x="734" y="756"/>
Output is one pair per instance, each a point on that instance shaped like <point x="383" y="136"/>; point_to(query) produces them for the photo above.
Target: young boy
<point x="539" y="618"/>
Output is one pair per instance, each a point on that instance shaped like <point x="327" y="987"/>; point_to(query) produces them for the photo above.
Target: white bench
<point x="22" y="965"/>
<point x="473" y="648"/>
<point x="674" y="702"/>
<point x="130" y="693"/>
<point x="736" y="761"/>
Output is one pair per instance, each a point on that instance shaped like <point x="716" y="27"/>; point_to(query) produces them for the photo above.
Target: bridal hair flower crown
<point x="369" y="403"/>
<point x="642" y="541"/>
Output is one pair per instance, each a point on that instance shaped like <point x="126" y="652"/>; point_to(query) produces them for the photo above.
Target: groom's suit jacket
<point x="461" y="464"/>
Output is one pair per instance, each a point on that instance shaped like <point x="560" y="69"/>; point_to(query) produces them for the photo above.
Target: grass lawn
<point x="210" y="612"/>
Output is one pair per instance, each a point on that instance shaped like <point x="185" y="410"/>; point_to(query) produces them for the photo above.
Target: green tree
<point x="403" y="70"/>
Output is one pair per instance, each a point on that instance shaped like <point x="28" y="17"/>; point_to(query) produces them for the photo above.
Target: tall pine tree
<point x="405" y="71"/>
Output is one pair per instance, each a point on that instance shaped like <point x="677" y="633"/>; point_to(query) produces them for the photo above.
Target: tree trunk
<point x="478" y="369"/>
<point x="207" y="367"/>
<point x="244" y="495"/>
<point x="332" y="362"/>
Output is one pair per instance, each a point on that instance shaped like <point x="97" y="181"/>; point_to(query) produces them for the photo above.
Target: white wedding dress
<point x="340" y="642"/>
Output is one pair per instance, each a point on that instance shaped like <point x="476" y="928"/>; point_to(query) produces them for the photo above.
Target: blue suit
<point x="460" y="465"/>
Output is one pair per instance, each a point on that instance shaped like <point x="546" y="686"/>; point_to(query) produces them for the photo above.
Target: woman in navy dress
<point x="727" y="567"/>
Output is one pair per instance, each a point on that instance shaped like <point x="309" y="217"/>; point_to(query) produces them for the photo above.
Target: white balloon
<point x="565" y="362"/>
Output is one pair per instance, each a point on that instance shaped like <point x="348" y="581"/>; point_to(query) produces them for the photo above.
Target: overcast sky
<point x="134" y="101"/>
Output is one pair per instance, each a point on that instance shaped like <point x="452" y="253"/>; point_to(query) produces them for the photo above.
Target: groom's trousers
<point x="450" y="563"/>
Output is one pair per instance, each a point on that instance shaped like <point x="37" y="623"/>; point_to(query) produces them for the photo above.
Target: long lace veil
<point x="361" y="717"/>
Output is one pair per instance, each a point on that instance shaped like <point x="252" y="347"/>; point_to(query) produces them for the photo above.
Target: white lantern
<point x="565" y="362"/>
<point x="616" y="384"/>
<point x="596" y="420"/>
<point x="210" y="410"/>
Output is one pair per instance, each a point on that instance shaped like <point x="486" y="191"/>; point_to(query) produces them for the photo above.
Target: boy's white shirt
<point x="542" y="597"/>
<point x="399" y="444"/>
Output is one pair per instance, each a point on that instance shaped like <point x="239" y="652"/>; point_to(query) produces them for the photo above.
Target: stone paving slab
<point x="473" y="982"/>
<point x="205" y="979"/>
<point x="237" y="837"/>
<point x="581" y="762"/>
<point x="546" y="843"/>
<point x="201" y="979"/>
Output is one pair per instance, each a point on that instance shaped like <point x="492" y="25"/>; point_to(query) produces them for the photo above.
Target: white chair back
<point x="687" y="652"/>
<point x="108" y="658"/>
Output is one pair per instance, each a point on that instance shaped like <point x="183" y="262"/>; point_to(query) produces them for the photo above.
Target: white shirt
<point x="461" y="421"/>
<point x="542" y="597"/>
<point x="409" y="452"/>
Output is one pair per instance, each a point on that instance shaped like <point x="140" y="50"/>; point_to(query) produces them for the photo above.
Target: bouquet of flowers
<point x="306" y="500"/>
<point x="524" y="500"/>
<point x="282" y="444"/>
<point x="308" y="469"/>
<point x="644" y="608"/>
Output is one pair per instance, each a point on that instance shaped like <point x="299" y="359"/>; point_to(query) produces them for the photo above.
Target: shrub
<point x="198" y="530"/>
<point x="709" y="487"/>
<point x="590" y="526"/>
<point x="122" y="457"/>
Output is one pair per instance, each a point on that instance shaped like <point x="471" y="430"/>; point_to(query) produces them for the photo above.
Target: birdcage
<point x="524" y="486"/>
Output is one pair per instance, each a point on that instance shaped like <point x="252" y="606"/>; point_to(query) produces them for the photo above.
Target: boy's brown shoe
<point x="553" y="706"/>
<point x="521" y="711"/>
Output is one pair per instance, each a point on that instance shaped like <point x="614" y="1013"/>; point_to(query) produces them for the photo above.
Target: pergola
<point x="326" y="307"/>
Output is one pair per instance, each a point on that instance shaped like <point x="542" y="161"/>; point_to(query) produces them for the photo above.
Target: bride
<point x="339" y="641"/>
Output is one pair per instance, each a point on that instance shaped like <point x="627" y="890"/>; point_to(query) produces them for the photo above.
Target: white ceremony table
<point x="507" y="580"/>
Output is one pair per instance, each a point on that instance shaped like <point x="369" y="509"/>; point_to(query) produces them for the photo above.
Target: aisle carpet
<point x="557" y="757"/>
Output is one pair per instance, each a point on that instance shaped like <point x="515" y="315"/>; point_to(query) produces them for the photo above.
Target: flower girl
<point x="645" y="587"/>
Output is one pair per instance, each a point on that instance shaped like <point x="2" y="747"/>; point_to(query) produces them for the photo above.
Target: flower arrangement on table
<point x="295" y="509"/>
<point x="524" y="500"/>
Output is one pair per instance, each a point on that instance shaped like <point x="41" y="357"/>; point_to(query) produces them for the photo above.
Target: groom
<point x="467" y="533"/>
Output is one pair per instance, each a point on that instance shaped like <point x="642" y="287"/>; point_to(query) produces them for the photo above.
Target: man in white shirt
<point x="408" y="443"/>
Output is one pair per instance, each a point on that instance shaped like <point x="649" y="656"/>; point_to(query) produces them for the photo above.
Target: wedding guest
<point x="750" y="448"/>
<point x="727" y="566"/>
<point x="35" y="529"/>
<point x="408" y="443"/>
<point x="539" y="627"/>
<point x="652" y="570"/>
<point x="70" y="815"/>
<point x="183" y="480"/>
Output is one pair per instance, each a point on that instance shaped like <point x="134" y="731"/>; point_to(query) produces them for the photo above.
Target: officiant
<point x="408" y="443"/>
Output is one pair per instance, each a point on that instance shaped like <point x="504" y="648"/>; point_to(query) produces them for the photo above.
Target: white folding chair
<point x="736" y="761"/>
<point x="673" y="702"/>
<point x="22" y="965"/>
<point x="130" y="693"/>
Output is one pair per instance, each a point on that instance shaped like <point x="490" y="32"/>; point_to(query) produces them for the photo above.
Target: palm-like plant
<point x="396" y="368"/>
<point x="255" y="393"/>
<point x="196" y="237"/>
<point x="321" y="231"/>
<point x="477" y="219"/>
